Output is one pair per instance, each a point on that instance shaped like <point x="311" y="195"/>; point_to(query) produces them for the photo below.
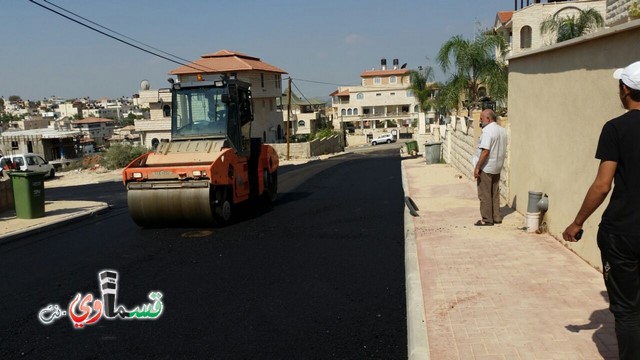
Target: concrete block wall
<point x="328" y="145"/>
<point x="310" y="149"/>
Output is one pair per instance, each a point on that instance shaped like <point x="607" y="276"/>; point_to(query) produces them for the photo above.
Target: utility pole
<point x="288" y="115"/>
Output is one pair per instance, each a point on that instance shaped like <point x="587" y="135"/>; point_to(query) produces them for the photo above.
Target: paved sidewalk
<point x="494" y="292"/>
<point x="56" y="213"/>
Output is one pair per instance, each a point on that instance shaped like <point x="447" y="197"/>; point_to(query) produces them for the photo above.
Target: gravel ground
<point x="81" y="177"/>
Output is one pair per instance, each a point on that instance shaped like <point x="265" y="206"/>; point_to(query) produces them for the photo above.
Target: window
<point x="301" y="123"/>
<point x="409" y="93"/>
<point x="393" y="80"/>
<point x="525" y="37"/>
<point x="166" y="110"/>
<point x="14" y="145"/>
<point x="262" y="79"/>
<point x="378" y="94"/>
<point x="343" y="112"/>
<point x="355" y="111"/>
<point x="392" y="94"/>
<point x="349" y="112"/>
<point x="277" y="82"/>
<point x="360" y="96"/>
<point x="377" y="80"/>
<point x="416" y="108"/>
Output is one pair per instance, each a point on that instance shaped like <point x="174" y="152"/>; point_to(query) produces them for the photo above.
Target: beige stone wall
<point x="559" y="99"/>
<point x="617" y="11"/>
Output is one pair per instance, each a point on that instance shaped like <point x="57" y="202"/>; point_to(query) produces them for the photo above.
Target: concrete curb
<point x="417" y="339"/>
<point x="46" y="226"/>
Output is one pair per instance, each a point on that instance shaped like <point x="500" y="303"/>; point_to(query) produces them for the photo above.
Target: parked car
<point x="384" y="138"/>
<point x="28" y="162"/>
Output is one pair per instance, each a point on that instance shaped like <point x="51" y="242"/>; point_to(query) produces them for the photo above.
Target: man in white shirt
<point x="488" y="161"/>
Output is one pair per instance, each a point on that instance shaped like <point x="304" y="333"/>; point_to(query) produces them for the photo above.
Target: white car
<point x="385" y="138"/>
<point x="29" y="162"/>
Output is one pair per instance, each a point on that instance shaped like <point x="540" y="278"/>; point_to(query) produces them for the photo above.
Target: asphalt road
<point x="320" y="275"/>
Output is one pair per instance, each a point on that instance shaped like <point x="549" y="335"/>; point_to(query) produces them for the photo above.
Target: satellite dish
<point x="403" y="66"/>
<point x="145" y="85"/>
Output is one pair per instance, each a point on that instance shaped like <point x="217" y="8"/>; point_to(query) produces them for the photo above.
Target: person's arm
<point x="593" y="199"/>
<point x="484" y="155"/>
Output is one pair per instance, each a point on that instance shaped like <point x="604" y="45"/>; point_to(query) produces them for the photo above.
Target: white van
<point x="30" y="162"/>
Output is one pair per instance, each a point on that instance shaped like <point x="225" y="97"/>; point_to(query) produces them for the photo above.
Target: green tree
<point x="476" y="66"/>
<point x="569" y="27"/>
<point x="14" y="98"/>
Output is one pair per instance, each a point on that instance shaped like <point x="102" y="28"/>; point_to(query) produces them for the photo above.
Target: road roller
<point x="210" y="165"/>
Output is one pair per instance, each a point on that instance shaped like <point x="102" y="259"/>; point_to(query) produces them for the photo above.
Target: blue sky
<point x="332" y="41"/>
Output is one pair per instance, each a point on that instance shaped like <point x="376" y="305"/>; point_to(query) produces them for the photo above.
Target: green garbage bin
<point x="412" y="147"/>
<point x="28" y="193"/>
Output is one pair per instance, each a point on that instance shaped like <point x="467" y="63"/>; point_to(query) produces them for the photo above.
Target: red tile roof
<point x="340" y="93"/>
<point x="504" y="16"/>
<point x="225" y="61"/>
<point x="368" y="73"/>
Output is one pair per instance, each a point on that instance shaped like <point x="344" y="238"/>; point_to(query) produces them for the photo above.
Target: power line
<point x="115" y="38"/>
<point x="320" y="82"/>
<point x="304" y="97"/>
<point x="183" y="62"/>
<point x="115" y="32"/>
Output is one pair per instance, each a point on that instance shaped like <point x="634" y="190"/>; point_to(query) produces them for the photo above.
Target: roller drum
<point x="163" y="207"/>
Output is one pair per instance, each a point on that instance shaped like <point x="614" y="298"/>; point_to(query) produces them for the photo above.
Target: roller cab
<point x="208" y="166"/>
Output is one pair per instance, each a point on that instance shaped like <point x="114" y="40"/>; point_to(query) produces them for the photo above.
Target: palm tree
<point x="423" y="87"/>
<point x="569" y="27"/>
<point x="476" y="66"/>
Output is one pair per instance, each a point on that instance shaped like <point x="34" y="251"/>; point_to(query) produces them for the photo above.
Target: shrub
<point x="323" y="133"/>
<point x="120" y="155"/>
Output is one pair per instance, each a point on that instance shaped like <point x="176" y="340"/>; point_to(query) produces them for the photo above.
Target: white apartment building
<point x="96" y="129"/>
<point x="521" y="27"/>
<point x="382" y="103"/>
<point x="306" y="116"/>
<point x="157" y="128"/>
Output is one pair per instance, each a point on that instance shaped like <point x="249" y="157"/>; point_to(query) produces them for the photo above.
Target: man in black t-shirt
<point x="619" y="232"/>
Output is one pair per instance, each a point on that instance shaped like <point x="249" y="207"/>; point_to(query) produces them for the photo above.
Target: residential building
<point x="52" y="144"/>
<point x="96" y="129"/>
<point x="521" y="27"/>
<point x="265" y="80"/>
<point x="157" y="128"/>
<point x="125" y="135"/>
<point x="307" y="115"/>
<point x="383" y="102"/>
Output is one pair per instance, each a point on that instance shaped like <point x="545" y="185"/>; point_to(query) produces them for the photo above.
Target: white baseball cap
<point x="630" y="75"/>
